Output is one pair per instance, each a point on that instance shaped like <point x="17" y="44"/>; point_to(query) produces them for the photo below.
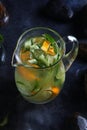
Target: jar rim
<point x="37" y="29"/>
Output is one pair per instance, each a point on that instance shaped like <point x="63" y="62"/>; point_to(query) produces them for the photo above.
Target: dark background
<point x="25" y="14"/>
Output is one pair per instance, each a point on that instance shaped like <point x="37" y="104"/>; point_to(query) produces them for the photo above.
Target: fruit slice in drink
<point x="43" y="78"/>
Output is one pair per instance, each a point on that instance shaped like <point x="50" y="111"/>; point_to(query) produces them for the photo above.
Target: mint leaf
<point x="21" y="83"/>
<point x="49" y="38"/>
<point x="52" y="41"/>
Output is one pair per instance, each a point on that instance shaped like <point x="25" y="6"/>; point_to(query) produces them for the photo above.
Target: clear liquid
<point x="39" y="85"/>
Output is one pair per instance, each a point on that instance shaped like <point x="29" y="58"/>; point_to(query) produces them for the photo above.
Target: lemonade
<point x="41" y="60"/>
<point x="44" y="75"/>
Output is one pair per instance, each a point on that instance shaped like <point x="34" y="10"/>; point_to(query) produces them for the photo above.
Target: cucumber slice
<point x="32" y="61"/>
<point x="38" y="40"/>
<point x="28" y="44"/>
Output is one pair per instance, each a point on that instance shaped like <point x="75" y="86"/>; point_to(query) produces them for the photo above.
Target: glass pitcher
<point x="42" y="84"/>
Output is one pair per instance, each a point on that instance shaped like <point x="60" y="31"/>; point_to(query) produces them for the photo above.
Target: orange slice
<point x="55" y="90"/>
<point x="45" y="46"/>
<point x="27" y="73"/>
<point x="51" y="51"/>
<point x="25" y="56"/>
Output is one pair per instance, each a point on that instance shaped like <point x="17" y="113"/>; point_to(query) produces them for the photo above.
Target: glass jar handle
<point x="69" y="57"/>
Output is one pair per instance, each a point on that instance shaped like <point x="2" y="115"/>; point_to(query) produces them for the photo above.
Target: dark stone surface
<point x="82" y="53"/>
<point x="25" y="14"/>
<point x="64" y="10"/>
<point x="77" y="122"/>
